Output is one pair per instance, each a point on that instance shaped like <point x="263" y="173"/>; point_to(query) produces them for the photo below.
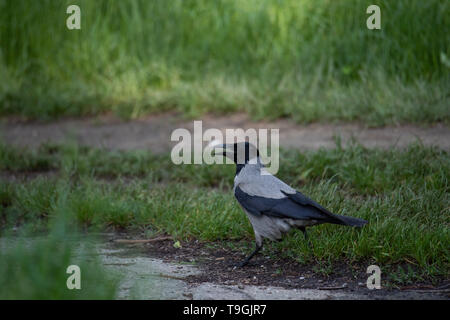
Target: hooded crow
<point x="272" y="206"/>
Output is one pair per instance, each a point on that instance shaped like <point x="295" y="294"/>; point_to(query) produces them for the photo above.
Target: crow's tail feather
<point x="352" y="221"/>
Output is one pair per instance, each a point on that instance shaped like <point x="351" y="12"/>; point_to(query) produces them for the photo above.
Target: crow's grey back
<point x="251" y="180"/>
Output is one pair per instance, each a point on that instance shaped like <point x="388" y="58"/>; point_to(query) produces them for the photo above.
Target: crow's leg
<point x="303" y="229"/>
<point x="244" y="263"/>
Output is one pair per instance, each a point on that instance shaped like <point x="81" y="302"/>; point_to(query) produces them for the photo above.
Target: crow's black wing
<point x="333" y="218"/>
<point x="288" y="207"/>
<point x="305" y="201"/>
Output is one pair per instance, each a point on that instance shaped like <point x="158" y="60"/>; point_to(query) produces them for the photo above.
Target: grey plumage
<point x="272" y="206"/>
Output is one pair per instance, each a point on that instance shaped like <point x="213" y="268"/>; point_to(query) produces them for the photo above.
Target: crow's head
<point x="241" y="152"/>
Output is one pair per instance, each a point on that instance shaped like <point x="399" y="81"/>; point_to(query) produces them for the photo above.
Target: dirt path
<point x="197" y="272"/>
<point x="153" y="132"/>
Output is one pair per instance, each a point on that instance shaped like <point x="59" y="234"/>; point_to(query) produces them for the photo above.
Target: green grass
<point x="35" y="269"/>
<point x="404" y="194"/>
<point x="310" y="60"/>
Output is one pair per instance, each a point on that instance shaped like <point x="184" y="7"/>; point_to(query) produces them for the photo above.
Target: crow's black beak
<point x="221" y="150"/>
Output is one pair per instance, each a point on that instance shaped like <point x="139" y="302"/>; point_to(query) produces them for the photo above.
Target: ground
<point x="202" y="271"/>
<point x="275" y="266"/>
<point x="153" y="132"/>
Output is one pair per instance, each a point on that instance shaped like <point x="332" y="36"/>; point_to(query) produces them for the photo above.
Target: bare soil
<point x="153" y="132"/>
<point x="217" y="264"/>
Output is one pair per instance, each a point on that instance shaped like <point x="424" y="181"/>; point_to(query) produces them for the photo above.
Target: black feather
<point x="293" y="206"/>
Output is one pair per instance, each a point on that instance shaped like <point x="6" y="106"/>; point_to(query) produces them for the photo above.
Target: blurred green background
<point x="310" y="60"/>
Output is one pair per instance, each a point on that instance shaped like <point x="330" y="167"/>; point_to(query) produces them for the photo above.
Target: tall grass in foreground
<point x="310" y="60"/>
<point x="35" y="267"/>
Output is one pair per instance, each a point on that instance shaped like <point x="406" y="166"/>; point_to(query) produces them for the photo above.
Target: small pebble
<point x="188" y="295"/>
